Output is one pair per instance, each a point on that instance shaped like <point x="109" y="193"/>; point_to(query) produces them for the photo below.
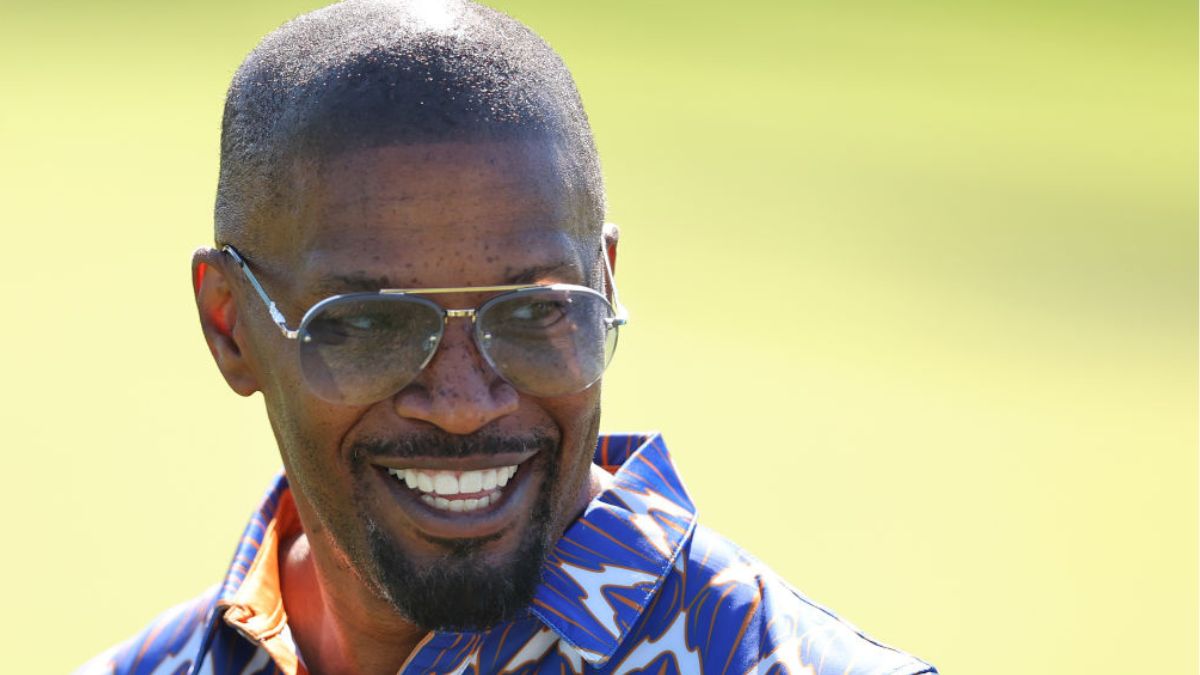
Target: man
<point x="412" y="268"/>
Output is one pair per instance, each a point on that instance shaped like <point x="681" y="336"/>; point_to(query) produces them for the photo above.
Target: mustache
<point x="451" y="446"/>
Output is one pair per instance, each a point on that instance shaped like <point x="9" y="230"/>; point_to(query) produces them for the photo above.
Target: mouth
<point x="457" y="491"/>
<point x="462" y="497"/>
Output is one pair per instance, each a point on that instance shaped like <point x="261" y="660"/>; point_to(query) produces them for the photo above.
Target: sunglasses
<point x="360" y="348"/>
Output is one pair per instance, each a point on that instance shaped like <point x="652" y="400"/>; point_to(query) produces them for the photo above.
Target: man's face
<point x="429" y="216"/>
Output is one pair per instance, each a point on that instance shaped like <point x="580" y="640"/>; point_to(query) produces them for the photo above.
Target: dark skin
<point x="414" y="216"/>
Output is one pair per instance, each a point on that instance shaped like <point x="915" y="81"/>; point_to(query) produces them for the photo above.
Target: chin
<point x="472" y="586"/>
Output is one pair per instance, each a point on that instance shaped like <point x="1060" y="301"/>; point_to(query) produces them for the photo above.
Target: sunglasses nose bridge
<point x="471" y="313"/>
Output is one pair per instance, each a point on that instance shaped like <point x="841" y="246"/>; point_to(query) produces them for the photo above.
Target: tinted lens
<point x="546" y="341"/>
<point x="361" y="349"/>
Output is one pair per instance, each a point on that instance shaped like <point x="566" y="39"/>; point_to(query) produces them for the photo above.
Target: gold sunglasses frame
<point x="620" y="314"/>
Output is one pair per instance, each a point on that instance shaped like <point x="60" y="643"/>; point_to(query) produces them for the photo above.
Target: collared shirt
<point x="633" y="586"/>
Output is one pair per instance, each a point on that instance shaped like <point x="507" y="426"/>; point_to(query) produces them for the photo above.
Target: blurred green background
<point x="913" y="290"/>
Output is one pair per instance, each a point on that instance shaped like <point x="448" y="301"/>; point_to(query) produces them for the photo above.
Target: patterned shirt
<point x="633" y="586"/>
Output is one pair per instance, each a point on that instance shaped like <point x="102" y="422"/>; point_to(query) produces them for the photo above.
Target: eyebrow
<point x="365" y="283"/>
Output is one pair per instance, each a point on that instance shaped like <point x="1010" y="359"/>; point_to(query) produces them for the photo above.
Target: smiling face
<point x="442" y="497"/>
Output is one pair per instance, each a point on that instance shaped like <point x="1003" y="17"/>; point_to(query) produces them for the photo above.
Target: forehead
<point x="453" y="213"/>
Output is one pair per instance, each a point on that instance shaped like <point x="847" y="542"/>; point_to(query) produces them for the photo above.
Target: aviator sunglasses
<point x="544" y="340"/>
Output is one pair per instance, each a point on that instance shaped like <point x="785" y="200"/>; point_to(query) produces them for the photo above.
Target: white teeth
<point x="470" y="482"/>
<point x="424" y="482"/>
<point x="436" y="486"/>
<point x="461" y="505"/>
<point x="445" y="484"/>
<point x="450" y="483"/>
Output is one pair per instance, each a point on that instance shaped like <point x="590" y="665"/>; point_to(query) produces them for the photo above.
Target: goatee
<point x="465" y="589"/>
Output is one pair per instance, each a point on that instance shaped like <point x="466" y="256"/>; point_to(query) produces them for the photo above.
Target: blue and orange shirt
<point x="633" y="586"/>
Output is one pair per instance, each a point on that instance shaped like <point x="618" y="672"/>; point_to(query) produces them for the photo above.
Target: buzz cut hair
<point x="367" y="73"/>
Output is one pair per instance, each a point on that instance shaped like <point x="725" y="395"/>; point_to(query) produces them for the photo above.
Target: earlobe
<point x="219" y="320"/>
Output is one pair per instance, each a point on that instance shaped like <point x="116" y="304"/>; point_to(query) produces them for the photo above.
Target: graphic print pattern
<point x="634" y="586"/>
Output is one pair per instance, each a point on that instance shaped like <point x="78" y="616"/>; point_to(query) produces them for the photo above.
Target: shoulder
<point x="721" y="610"/>
<point x="166" y="645"/>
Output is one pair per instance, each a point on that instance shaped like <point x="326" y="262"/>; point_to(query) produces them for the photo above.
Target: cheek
<point x="578" y="417"/>
<point x="309" y="432"/>
<point x="576" y="412"/>
<point x="309" y="439"/>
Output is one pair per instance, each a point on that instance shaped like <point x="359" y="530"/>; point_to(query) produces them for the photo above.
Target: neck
<point x="357" y="637"/>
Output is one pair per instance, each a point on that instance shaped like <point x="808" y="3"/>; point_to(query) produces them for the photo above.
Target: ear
<point x="611" y="234"/>
<point x="219" y="319"/>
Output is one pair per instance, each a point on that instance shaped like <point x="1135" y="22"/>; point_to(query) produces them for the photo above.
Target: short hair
<point x="366" y="73"/>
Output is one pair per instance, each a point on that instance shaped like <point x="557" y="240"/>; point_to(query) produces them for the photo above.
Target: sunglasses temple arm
<point x="280" y="321"/>
<point x="276" y="315"/>
<point x="622" y="316"/>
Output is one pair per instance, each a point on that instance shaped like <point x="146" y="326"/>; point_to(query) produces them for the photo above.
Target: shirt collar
<point x="610" y="563"/>
<point x="596" y="582"/>
<point x="250" y="599"/>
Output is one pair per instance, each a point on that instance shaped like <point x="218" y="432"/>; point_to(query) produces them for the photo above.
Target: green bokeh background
<point x="913" y="290"/>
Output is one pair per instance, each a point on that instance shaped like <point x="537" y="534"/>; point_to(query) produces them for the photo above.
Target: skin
<point x="412" y="216"/>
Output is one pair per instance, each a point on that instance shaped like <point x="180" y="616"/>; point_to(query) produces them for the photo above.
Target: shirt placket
<point x="442" y="654"/>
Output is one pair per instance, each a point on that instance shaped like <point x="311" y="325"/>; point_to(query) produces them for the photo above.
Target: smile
<point x="461" y="497"/>
<point x="457" y="491"/>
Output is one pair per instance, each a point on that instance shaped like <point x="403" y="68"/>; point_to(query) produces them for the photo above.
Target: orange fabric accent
<point x="256" y="610"/>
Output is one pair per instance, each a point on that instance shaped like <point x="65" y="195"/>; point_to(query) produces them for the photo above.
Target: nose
<point x="457" y="391"/>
